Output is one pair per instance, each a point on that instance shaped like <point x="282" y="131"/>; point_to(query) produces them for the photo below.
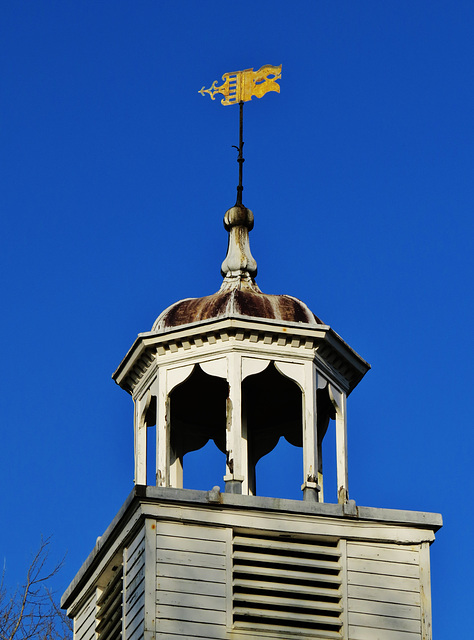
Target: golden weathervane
<point x="241" y="86"/>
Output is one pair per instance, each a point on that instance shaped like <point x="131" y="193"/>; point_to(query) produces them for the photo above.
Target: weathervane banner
<point x="241" y="86"/>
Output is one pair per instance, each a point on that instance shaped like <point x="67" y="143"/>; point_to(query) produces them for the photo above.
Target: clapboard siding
<point x="84" y="623"/>
<point x="169" y="629"/>
<point x="381" y="581"/>
<point x="190" y="558"/>
<point x="175" y="584"/>
<point x="191" y="581"/>
<point x="134" y="587"/>
<point x="364" y="633"/>
<point x="218" y="573"/>
<point x="358" y="592"/>
<point x="383" y="592"/>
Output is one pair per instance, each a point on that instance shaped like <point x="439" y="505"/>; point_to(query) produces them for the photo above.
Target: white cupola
<point x="242" y="368"/>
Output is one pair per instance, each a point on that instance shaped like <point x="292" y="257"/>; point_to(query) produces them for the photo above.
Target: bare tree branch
<point x="31" y="611"/>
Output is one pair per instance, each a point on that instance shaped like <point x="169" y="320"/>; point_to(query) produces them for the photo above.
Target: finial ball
<point x="238" y="216"/>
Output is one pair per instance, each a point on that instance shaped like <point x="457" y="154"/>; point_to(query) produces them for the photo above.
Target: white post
<point x="162" y="432"/>
<point x="140" y="440"/>
<point x="338" y="399"/>
<point x="236" y="477"/>
<point x="310" y="485"/>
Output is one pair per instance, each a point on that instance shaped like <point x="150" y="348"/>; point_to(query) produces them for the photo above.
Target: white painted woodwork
<point x="293" y="370"/>
<point x="191" y="578"/>
<point x="425" y="591"/>
<point x="344" y="586"/>
<point x="162" y="433"/>
<point x="310" y="430"/>
<point x="181" y="565"/>
<point x="236" y="436"/>
<point x="110" y="621"/>
<point x="252" y="346"/>
<point x="252" y="366"/>
<point x="134" y="588"/>
<point x="384" y="591"/>
<point x="177" y="375"/>
<point x="150" y="580"/>
<point x="84" y="622"/>
<point x="367" y="633"/>
<point x="216" y="367"/>
<point x="338" y="399"/>
<point x="140" y="441"/>
<point x="302" y="574"/>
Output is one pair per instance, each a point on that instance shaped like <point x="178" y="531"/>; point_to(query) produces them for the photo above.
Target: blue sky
<point x="115" y="177"/>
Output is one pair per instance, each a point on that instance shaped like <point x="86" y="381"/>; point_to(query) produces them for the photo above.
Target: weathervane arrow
<point x="239" y="87"/>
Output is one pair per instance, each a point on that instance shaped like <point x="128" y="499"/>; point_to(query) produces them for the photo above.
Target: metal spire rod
<point x="240" y="157"/>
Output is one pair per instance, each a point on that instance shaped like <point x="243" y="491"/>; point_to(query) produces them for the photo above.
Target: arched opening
<point x="151" y="454"/>
<point x="149" y="423"/>
<point x="204" y="468"/>
<point x="326" y="446"/>
<point x="272" y="407"/>
<point x="279" y="473"/>
<point x="329" y="458"/>
<point x="198" y="415"/>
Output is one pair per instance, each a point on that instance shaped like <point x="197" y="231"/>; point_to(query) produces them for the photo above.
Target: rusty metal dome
<point x="239" y="299"/>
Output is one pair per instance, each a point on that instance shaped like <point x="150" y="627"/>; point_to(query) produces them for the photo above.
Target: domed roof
<point x="244" y="299"/>
<point x="239" y="295"/>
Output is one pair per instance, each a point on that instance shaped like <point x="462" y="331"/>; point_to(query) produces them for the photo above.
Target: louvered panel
<point x="110" y="591"/>
<point x="110" y="607"/>
<point x="291" y="585"/>
<point x="326" y="634"/>
<point x="289" y="588"/>
<point x="296" y="545"/>
<point x="299" y="619"/>
<point x="113" y="632"/>
<point x="109" y="615"/>
<point x="308" y="560"/>
<point x="279" y="600"/>
<point x="290" y="575"/>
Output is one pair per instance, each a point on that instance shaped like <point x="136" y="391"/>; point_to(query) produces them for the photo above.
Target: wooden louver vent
<point x="109" y="614"/>
<point x="292" y="586"/>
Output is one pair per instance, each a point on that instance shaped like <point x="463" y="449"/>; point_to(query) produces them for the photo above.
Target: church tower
<point x="243" y="368"/>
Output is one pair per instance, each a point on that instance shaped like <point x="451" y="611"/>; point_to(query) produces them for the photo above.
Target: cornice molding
<point x="320" y="343"/>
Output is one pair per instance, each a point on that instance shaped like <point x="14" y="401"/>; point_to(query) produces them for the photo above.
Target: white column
<point x="162" y="432"/>
<point x="236" y="477"/>
<point x="338" y="399"/>
<point x="310" y="485"/>
<point x="140" y="440"/>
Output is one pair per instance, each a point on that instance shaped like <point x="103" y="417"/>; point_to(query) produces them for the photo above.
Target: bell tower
<point x="244" y="368"/>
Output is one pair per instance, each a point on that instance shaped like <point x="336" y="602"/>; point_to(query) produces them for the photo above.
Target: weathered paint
<point x="195" y="549"/>
<point x="245" y="299"/>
